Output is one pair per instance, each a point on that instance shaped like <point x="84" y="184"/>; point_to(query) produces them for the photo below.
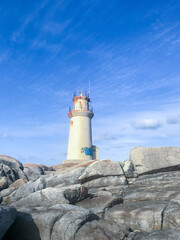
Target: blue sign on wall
<point x="88" y="151"/>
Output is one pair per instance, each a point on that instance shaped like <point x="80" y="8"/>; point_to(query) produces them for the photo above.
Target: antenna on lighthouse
<point x="89" y="88"/>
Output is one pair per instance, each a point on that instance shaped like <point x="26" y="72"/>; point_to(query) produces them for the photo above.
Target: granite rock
<point x="142" y="216"/>
<point x="99" y="200"/>
<point x="42" y="223"/>
<point x="11" y="168"/>
<point x="102" y="229"/>
<point x="3" y="183"/>
<point x="33" y="173"/>
<point x="157" y="159"/>
<point x="101" y="169"/>
<point x="52" y="196"/>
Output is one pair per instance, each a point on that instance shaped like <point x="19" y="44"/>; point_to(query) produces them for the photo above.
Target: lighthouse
<point x="80" y="146"/>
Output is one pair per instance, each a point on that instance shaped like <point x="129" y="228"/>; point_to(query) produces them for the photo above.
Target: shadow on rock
<point x="23" y="228"/>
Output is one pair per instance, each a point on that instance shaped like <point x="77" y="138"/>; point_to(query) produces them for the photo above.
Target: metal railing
<point x="81" y="93"/>
<point x="71" y="108"/>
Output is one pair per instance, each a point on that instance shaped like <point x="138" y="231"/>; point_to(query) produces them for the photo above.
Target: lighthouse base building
<point x="80" y="148"/>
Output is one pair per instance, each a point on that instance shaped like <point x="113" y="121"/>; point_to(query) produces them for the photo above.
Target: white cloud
<point x="116" y="134"/>
<point x="147" y="124"/>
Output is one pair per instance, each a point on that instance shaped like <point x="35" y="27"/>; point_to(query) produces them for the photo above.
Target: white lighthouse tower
<point x="80" y="134"/>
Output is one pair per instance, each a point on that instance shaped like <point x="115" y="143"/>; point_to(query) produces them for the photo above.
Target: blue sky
<point x="128" y="49"/>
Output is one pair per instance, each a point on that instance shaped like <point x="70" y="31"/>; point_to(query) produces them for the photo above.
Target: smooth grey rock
<point x="46" y="181"/>
<point x="7" y="191"/>
<point x="153" y="187"/>
<point x="159" y="180"/>
<point x="101" y="200"/>
<point x="106" y="181"/>
<point x="157" y="159"/>
<point x="101" y="229"/>
<point x="167" y="234"/>
<point x="64" y="179"/>
<point x="7" y="217"/>
<point x="116" y="191"/>
<point x="3" y="183"/>
<point x="29" y="188"/>
<point x="67" y="226"/>
<point x="141" y="194"/>
<point x="171" y="217"/>
<point x="142" y="216"/>
<point x="52" y="196"/>
<point x="33" y="173"/>
<point x="100" y="169"/>
<point x="42" y="223"/>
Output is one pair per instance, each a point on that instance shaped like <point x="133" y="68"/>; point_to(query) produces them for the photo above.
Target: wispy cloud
<point x="55" y="28"/>
<point x="53" y="48"/>
<point x="16" y="35"/>
<point x="173" y="120"/>
<point x="105" y="137"/>
<point x="53" y="129"/>
<point x="4" y="56"/>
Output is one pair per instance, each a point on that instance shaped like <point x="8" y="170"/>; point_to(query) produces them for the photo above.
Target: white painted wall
<point x="80" y="136"/>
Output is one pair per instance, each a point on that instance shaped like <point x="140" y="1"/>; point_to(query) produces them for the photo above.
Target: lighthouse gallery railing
<point x="71" y="108"/>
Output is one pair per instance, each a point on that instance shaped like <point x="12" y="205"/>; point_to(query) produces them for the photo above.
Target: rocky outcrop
<point x="157" y="159"/>
<point x="103" y="170"/>
<point x="102" y="229"/>
<point x="7" y="217"/>
<point x="52" y="196"/>
<point x="11" y="169"/>
<point x="98" y="200"/>
<point x="13" y="172"/>
<point x="4" y="183"/>
<point x="44" y="168"/>
<point x="57" y="222"/>
<point x="33" y="173"/>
